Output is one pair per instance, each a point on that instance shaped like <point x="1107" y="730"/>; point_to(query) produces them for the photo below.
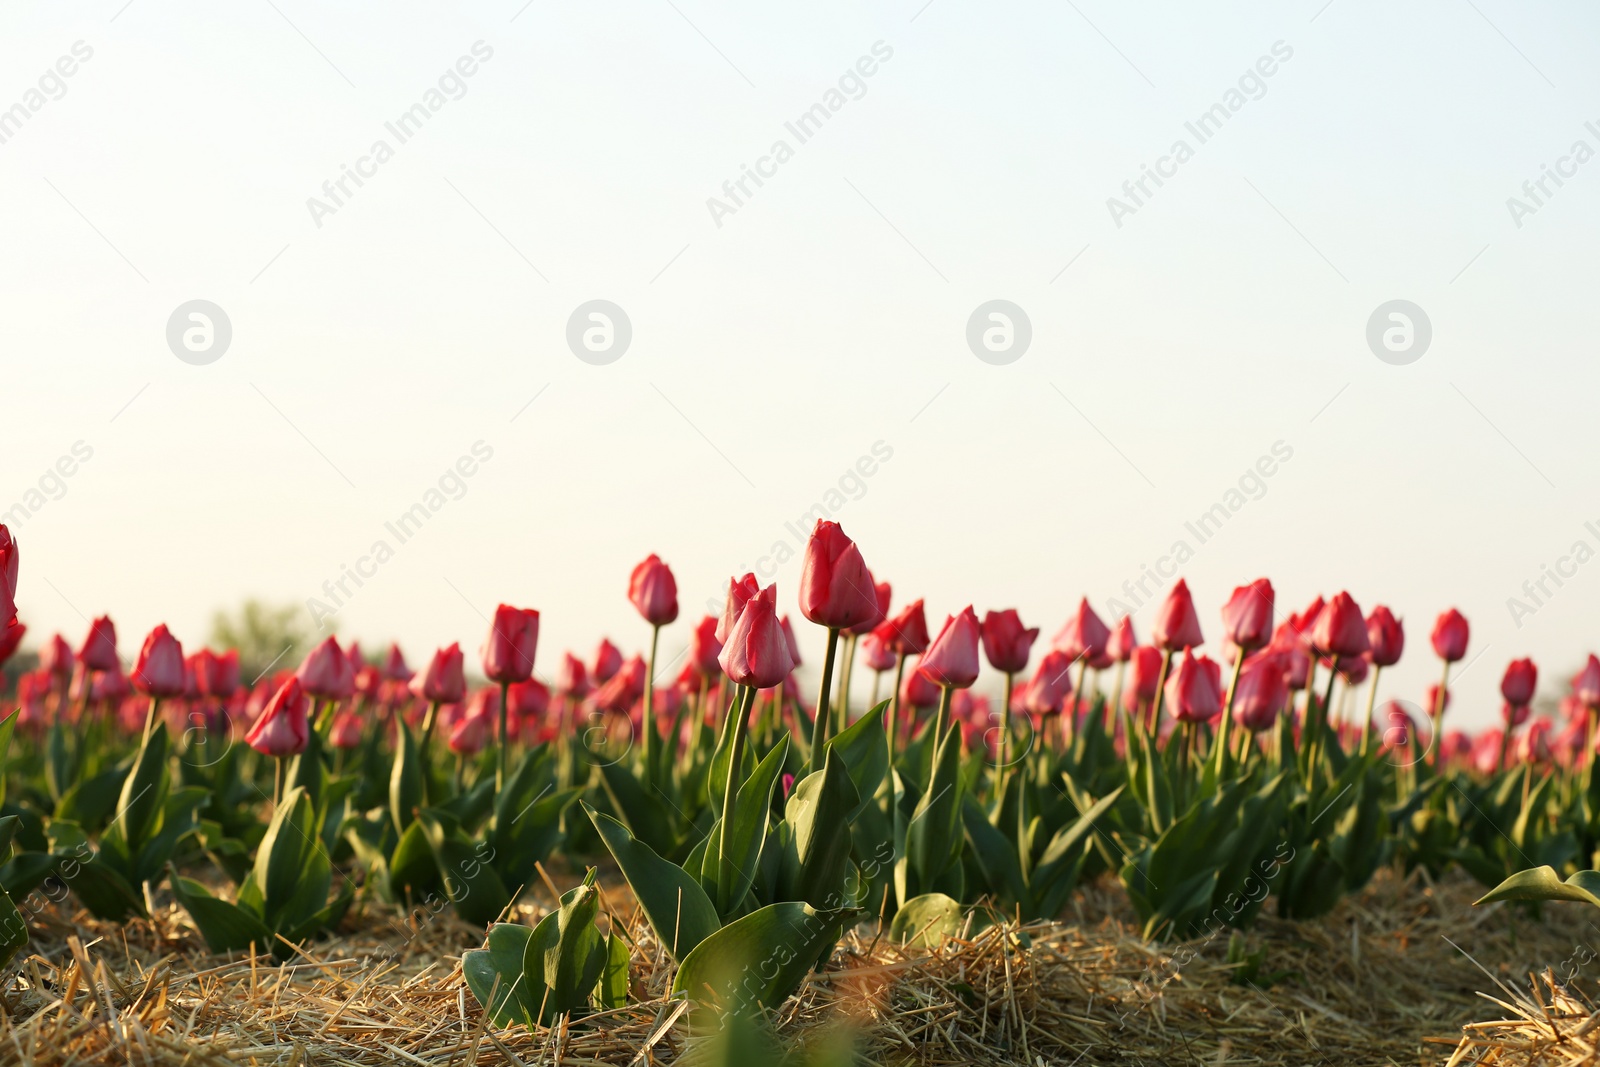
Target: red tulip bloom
<point x="1354" y="669"/>
<point x="756" y="652"/>
<point x="653" y="591"/>
<point x="283" y="728"/>
<point x="1432" y="699"/>
<point x="57" y="658"/>
<point x="607" y="662"/>
<point x="907" y="632"/>
<point x="1176" y="626"/>
<point x="394" y="665"/>
<point x="346" y="731"/>
<point x="1005" y="642"/>
<point x="1302" y="623"/>
<point x="1517" y="685"/>
<point x="836" y="589"/>
<point x="877" y="655"/>
<point x="952" y="658"/>
<point x="882" y="593"/>
<point x="108" y="685"/>
<point x="1514" y="715"/>
<point x="1194" y="691"/>
<point x="509" y="649"/>
<point x="327" y="673"/>
<point x="1586" y="686"/>
<point x="1121" y="643"/>
<point x="1450" y="636"/>
<point x="471" y="732"/>
<point x="529" y="700"/>
<point x="739" y="591"/>
<point x="1340" y="629"/>
<point x="99" y="651"/>
<point x="216" y="675"/>
<point x="704" y="648"/>
<point x="1247" y="616"/>
<point x="1290" y="649"/>
<point x="788" y="639"/>
<point x="623" y="689"/>
<point x="917" y="691"/>
<point x="1262" y="693"/>
<point x="8" y="575"/>
<point x="444" y="682"/>
<point x="158" y="672"/>
<point x="1083" y="635"/>
<point x="1051" y="684"/>
<point x="1144" y="674"/>
<point x="573" y="681"/>
<point x="1386" y="637"/>
<point x="10" y="639"/>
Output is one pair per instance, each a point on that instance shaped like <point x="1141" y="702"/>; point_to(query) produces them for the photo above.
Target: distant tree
<point x="268" y="636"/>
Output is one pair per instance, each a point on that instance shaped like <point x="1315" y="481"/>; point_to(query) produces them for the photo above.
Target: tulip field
<point x="685" y="862"/>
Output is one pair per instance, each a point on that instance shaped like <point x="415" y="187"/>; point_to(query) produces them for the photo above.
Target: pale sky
<point x="969" y="154"/>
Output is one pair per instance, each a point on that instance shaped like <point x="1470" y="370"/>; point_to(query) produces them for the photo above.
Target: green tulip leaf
<point x="926" y="921"/>
<point x="757" y="961"/>
<point x="226" y="927"/>
<point x="1543" y="883"/>
<point x="496" y="971"/>
<point x="679" y="911"/>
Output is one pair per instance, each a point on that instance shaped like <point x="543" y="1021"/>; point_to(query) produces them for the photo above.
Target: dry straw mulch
<point x="1376" y="982"/>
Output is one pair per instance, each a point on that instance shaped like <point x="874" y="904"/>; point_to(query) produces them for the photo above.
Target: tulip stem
<point x="649" y="720"/>
<point x="500" y="756"/>
<point x="1161" y="689"/>
<point x="894" y="709"/>
<point x="1002" y="765"/>
<point x="819" y="724"/>
<point x="1317" y="744"/>
<point x="150" y="718"/>
<point x="427" y="726"/>
<point x="277" y="783"/>
<point x="1227" y="713"/>
<point x="1438" y="716"/>
<point x="842" y="711"/>
<point x="941" y="719"/>
<point x="1069" y="726"/>
<point x="1372" y="701"/>
<point x="746" y="698"/>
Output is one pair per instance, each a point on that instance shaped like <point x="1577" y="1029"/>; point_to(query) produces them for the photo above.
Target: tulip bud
<point x="283" y="728"/>
<point x="1194" y="691"/>
<point x="1262" y="692"/>
<point x="394" y="665"/>
<point x="1005" y="643"/>
<point x="907" y="632"/>
<point x="756" y="651"/>
<point x="1354" y="669"/>
<point x="917" y="691"/>
<point x="1084" y="634"/>
<point x="623" y="689"/>
<point x="444" y="682"/>
<point x="1386" y="637"/>
<point x="952" y="658"/>
<point x="1517" y="685"/>
<point x="1176" y="626"/>
<point x="158" y="672"/>
<point x="1450" y="636"/>
<point x="1144" y="674"/>
<point x="217" y="676"/>
<point x="573" y="680"/>
<point x="739" y="591"/>
<point x="607" y="662"/>
<point x="1339" y="629"/>
<point x="836" y="590"/>
<point x="327" y="673"/>
<point x="57" y="658"/>
<point x="8" y="575"/>
<point x="529" y="700"/>
<point x="1247" y="616"/>
<point x="1586" y="686"/>
<point x="471" y="732"/>
<point x="704" y="648"/>
<point x="99" y="651"/>
<point x="1121" y="643"/>
<point x="876" y="654"/>
<point x="509" y="649"/>
<point x="1431" y="700"/>
<point x="788" y="639"/>
<point x="653" y="591"/>
<point x="346" y="731"/>
<point x="1051" y="684"/>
